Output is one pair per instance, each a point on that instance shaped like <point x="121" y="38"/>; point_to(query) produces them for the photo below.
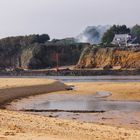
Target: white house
<point x="121" y="39"/>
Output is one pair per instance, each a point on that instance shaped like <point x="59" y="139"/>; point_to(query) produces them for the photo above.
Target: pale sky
<point x="64" y="18"/>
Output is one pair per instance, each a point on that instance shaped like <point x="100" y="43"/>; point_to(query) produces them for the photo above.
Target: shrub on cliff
<point x="23" y="41"/>
<point x="45" y="55"/>
<point x="12" y="47"/>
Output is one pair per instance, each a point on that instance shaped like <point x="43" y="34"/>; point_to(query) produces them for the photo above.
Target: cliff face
<point x="36" y="52"/>
<point x="46" y="55"/>
<point x="109" y="57"/>
<point x="24" y="53"/>
<point x="13" y="50"/>
<point x="9" y="61"/>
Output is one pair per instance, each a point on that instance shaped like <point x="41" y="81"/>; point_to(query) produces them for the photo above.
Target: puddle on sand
<point x="82" y="106"/>
<point x="85" y="108"/>
<point x="75" y="103"/>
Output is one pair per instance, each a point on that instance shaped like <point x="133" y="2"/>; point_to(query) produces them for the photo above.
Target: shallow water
<point x="84" y="106"/>
<point x="87" y="78"/>
<point x="96" y="78"/>
<point x="84" y="103"/>
<point x="93" y="108"/>
<point x="75" y="103"/>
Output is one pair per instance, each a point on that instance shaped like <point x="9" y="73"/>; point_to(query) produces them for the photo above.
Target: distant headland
<point x="116" y="47"/>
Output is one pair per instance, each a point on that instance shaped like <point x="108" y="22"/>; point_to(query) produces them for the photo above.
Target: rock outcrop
<point x="49" y="54"/>
<point x="31" y="52"/>
<point x="93" y="57"/>
<point x="36" y="52"/>
<point x="16" y="51"/>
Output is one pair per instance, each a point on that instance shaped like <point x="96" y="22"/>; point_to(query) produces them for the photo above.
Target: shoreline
<point x="23" y="126"/>
<point x="74" y="72"/>
<point x="21" y="87"/>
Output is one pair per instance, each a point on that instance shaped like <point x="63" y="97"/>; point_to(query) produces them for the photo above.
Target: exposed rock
<point x="107" y="67"/>
<point x="40" y="55"/>
<point x="93" y="57"/>
<point x="26" y="57"/>
<point x="28" y="53"/>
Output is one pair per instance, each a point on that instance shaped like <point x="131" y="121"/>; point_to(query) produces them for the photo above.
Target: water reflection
<point x="85" y="105"/>
<point x="114" y="105"/>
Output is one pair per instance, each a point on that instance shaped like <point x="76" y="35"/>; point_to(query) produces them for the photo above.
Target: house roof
<point x="122" y="35"/>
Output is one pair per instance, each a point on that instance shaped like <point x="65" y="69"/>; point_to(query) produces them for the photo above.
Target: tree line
<point x="121" y="29"/>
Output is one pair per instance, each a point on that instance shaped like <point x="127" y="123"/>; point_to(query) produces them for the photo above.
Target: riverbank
<point x="14" y="88"/>
<point x="70" y="72"/>
<point x="21" y="126"/>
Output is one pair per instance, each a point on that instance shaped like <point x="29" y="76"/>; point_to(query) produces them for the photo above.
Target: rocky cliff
<point x="36" y="52"/>
<point x="13" y="50"/>
<point x="49" y="54"/>
<point x="93" y="57"/>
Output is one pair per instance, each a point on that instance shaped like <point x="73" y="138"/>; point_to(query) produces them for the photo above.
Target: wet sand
<point x="19" y="125"/>
<point x="14" y="88"/>
<point x="120" y="90"/>
<point x="91" y="108"/>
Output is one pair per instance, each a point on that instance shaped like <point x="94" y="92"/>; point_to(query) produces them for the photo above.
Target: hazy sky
<point x="64" y="18"/>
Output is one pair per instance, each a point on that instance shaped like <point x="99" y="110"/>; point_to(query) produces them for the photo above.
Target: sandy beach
<point x="120" y="91"/>
<point x="13" y="88"/>
<point x="22" y="126"/>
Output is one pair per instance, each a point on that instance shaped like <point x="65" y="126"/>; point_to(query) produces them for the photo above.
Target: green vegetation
<point x="12" y="45"/>
<point x="44" y="55"/>
<point x="115" y="29"/>
<point x="11" y="48"/>
<point x="135" y="31"/>
<point x="35" y="51"/>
